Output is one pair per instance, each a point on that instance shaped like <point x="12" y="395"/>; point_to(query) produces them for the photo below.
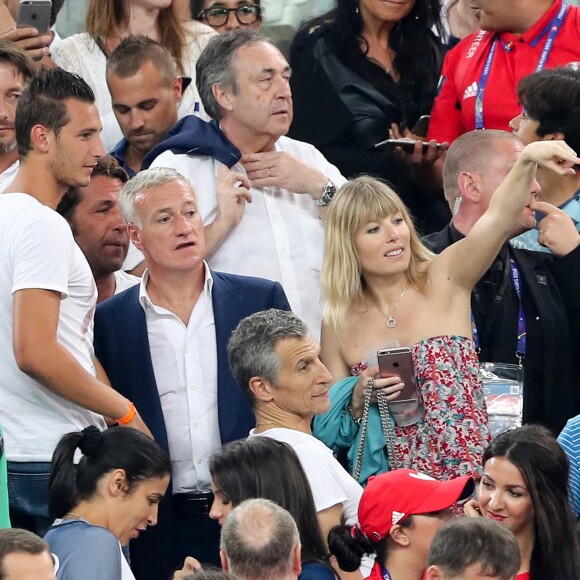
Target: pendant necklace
<point x="391" y="322"/>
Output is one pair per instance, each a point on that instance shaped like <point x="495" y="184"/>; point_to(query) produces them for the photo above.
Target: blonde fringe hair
<point x="359" y="202"/>
<point x="107" y="18"/>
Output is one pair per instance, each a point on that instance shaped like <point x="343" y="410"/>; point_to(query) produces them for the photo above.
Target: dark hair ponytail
<point x="349" y="545"/>
<point x="102" y="452"/>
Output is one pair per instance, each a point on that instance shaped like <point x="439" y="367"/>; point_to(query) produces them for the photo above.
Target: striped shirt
<point x="569" y="440"/>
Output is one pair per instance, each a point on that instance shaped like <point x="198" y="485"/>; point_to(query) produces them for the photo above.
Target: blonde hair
<point x="358" y="202"/>
<point x="106" y="18"/>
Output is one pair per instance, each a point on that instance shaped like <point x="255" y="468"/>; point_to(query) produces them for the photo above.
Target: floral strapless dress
<point x="453" y="432"/>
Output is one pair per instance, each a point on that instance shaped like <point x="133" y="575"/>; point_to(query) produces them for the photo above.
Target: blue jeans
<point x="28" y="494"/>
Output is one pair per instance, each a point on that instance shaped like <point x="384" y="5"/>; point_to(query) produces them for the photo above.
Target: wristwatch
<point x="328" y="192"/>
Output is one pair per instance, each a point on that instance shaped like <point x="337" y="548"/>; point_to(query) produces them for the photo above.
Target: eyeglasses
<point x="216" y="17"/>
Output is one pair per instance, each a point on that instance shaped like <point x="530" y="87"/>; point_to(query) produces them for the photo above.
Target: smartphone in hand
<point x="408" y="145"/>
<point x="398" y="362"/>
<point x="34" y="14"/>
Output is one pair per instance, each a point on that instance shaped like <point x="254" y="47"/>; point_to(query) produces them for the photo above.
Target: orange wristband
<point x="128" y="417"/>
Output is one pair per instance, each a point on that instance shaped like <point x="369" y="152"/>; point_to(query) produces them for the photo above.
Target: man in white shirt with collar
<point x="16" y="71"/>
<point x="263" y="217"/>
<point x="164" y="342"/>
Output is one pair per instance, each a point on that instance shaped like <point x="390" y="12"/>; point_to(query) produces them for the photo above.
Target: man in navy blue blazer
<point x="163" y="345"/>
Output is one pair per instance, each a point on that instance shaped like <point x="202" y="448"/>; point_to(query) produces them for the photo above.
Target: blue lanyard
<point x="554" y="28"/>
<point x="521" y="344"/>
<point x="385" y="573"/>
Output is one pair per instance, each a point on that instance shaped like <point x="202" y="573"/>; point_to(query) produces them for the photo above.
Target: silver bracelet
<point x="357" y="421"/>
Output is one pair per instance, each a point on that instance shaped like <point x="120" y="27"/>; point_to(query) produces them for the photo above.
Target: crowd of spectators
<point x="312" y="317"/>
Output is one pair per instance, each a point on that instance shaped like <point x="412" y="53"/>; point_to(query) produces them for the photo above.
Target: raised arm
<point x="466" y="261"/>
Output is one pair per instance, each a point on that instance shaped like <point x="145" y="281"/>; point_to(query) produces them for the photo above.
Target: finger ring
<point x="270" y="171"/>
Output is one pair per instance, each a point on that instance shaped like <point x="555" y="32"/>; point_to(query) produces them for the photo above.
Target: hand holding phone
<point x="390" y="387"/>
<point x="399" y="362"/>
<point x="34" y="14"/>
<point x="407" y="145"/>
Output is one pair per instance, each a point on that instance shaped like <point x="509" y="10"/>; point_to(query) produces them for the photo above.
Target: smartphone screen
<point x="399" y="362"/>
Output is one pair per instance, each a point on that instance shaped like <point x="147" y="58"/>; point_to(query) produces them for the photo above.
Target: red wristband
<point x="128" y="417"/>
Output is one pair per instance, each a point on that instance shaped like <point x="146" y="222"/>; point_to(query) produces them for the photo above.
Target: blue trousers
<point x="28" y="494"/>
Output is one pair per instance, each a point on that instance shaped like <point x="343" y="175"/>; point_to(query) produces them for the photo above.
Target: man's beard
<point x="7" y="147"/>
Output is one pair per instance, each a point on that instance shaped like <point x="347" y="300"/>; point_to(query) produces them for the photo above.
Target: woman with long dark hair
<point x="110" y="497"/>
<point x="261" y="467"/>
<point x="525" y="488"/>
<point x="356" y="71"/>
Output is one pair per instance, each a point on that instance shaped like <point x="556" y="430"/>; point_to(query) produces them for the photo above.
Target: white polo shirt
<point x="184" y="358"/>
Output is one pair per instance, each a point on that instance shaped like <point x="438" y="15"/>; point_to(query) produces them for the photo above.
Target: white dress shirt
<point x="184" y="361"/>
<point x="281" y="235"/>
<point x="124" y="281"/>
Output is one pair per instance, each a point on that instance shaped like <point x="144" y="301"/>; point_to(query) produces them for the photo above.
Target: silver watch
<point x="328" y="192"/>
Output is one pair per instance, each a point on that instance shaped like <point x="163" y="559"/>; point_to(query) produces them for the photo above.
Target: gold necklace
<point x="391" y="322"/>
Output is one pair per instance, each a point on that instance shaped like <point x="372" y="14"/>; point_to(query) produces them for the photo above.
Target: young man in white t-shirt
<point x="49" y="384"/>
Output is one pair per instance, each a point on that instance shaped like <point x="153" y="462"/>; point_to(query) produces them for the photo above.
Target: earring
<point x="356" y="7"/>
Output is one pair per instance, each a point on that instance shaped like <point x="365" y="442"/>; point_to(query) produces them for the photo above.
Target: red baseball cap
<point x="391" y="497"/>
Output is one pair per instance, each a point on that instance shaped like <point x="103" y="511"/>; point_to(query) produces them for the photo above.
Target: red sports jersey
<point x="516" y="56"/>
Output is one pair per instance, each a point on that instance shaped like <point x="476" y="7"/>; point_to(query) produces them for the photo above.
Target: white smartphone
<point x="35" y="14"/>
